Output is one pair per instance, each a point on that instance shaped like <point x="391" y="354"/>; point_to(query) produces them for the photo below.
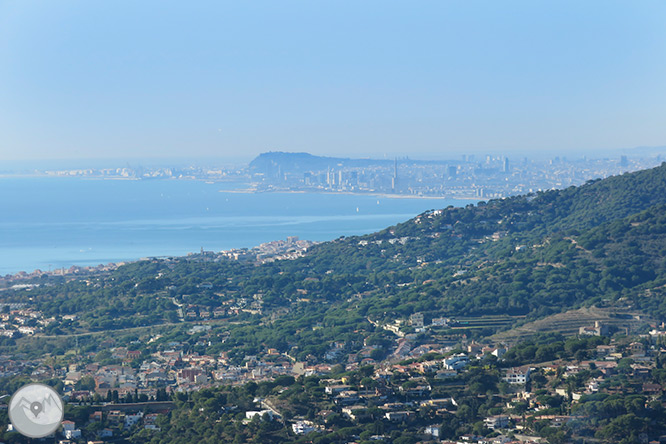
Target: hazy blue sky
<point x="92" y="79"/>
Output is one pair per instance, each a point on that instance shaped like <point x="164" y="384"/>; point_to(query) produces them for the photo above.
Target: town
<point x="414" y="377"/>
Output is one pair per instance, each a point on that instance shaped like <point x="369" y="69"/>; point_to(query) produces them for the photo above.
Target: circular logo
<point x="36" y="410"/>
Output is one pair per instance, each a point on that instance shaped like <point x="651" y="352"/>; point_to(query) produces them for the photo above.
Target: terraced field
<point x="569" y="323"/>
<point x="494" y="322"/>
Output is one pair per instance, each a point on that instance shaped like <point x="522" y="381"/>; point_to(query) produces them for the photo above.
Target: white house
<point x="130" y="419"/>
<point x="251" y="414"/>
<point x="72" y="434"/>
<point x="518" y="375"/>
<point x="456" y="362"/>
<point x="496" y="422"/>
<point x="433" y="430"/>
<point x="303" y="427"/>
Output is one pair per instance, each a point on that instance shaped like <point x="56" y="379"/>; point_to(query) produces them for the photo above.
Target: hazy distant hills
<point x="269" y="163"/>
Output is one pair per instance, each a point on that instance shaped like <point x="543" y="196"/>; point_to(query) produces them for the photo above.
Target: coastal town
<point x="283" y="249"/>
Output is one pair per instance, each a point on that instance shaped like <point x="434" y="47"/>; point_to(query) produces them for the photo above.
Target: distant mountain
<point x="277" y="161"/>
<point x="272" y="162"/>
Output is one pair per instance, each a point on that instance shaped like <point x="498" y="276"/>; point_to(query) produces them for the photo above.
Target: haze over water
<point x="49" y="223"/>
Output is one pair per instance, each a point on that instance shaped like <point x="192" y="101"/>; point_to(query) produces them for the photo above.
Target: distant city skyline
<point x="230" y="80"/>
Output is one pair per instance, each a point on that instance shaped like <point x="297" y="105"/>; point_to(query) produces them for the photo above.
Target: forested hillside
<point x="526" y="257"/>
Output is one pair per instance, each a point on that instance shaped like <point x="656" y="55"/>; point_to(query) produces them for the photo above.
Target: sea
<point x="49" y="223"/>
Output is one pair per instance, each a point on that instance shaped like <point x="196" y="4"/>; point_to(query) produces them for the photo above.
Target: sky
<point x="83" y="79"/>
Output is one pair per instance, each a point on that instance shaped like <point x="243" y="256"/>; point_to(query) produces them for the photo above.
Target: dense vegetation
<point x="527" y="256"/>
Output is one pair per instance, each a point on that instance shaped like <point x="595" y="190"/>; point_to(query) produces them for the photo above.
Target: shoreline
<point x="235" y="188"/>
<point x="251" y="190"/>
<point x="351" y="193"/>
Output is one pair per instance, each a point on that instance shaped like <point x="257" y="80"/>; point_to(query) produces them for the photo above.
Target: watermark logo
<point x="36" y="410"/>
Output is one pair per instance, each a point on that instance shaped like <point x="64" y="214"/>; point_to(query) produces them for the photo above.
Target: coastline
<point x="351" y="193"/>
<point x="59" y="235"/>
<point x="250" y="190"/>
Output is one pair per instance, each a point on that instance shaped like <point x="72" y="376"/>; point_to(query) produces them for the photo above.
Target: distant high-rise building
<point x="623" y="161"/>
<point x="353" y="178"/>
<point x="505" y="165"/>
<point x="452" y="170"/>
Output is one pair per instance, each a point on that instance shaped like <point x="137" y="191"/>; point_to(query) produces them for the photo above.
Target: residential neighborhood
<point x="419" y="387"/>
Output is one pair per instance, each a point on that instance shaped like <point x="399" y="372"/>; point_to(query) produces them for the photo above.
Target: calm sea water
<point x="49" y="223"/>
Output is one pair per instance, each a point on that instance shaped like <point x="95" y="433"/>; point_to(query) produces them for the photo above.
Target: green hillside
<point x="523" y="257"/>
